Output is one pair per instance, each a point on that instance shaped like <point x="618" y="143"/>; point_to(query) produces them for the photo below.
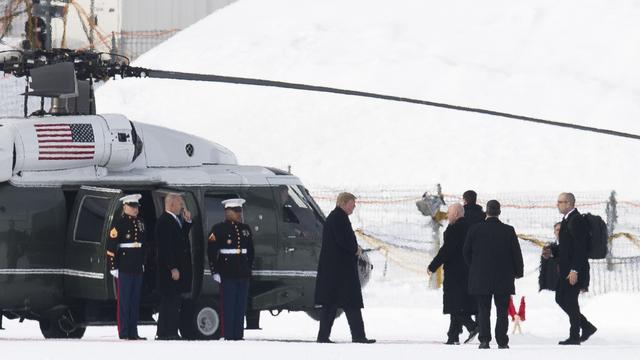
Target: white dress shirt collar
<point x="567" y="214"/>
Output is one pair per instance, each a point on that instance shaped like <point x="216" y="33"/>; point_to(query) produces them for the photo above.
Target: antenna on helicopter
<point x="90" y="66"/>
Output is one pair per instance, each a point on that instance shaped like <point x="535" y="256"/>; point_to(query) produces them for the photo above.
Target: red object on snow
<point x="521" y="310"/>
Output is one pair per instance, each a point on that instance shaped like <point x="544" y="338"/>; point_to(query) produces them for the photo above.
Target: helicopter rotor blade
<point x="161" y="74"/>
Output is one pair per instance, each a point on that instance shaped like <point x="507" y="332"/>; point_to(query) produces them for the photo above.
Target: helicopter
<point x="57" y="203"/>
<point x="62" y="173"/>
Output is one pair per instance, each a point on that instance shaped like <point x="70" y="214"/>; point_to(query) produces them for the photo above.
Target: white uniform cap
<point x="131" y="199"/>
<point x="233" y="203"/>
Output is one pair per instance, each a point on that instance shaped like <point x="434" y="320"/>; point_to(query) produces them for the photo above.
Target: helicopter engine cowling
<point x="69" y="142"/>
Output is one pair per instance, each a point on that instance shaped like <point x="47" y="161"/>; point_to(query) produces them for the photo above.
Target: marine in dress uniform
<point x="125" y="255"/>
<point x="231" y="256"/>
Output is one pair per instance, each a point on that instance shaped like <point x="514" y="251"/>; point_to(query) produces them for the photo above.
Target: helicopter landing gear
<point x="61" y="327"/>
<point x="253" y="320"/>
<point x="200" y="321"/>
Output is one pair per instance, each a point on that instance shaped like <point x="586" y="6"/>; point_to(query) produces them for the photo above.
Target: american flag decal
<point x="65" y="141"/>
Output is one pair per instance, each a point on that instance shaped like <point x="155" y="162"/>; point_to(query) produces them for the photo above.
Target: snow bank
<point x="573" y="61"/>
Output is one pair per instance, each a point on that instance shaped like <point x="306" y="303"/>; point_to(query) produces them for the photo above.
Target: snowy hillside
<point x="573" y="61"/>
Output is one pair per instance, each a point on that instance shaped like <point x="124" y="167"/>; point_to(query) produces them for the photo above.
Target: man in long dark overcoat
<point x="337" y="282"/>
<point x="574" y="268"/>
<point x="472" y="211"/>
<point x="174" y="264"/>
<point x="456" y="299"/>
<point x="493" y="254"/>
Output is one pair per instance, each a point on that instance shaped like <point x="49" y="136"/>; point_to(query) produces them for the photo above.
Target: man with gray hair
<point x="574" y="268"/>
<point x="337" y="282"/>
<point x="493" y="254"/>
<point x="455" y="297"/>
<point x="174" y="263"/>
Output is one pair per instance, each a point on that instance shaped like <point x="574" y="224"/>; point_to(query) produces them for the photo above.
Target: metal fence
<point x="135" y="43"/>
<point x="11" y="103"/>
<point x="388" y="219"/>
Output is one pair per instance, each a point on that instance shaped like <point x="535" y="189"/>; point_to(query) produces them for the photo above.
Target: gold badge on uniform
<point x="245" y="232"/>
<point x="114" y="233"/>
<point x="212" y="237"/>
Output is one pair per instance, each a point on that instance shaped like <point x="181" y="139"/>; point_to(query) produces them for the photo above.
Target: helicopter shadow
<point x="382" y="342"/>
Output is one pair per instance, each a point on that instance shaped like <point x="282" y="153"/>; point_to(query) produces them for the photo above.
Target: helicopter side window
<point x="90" y="223"/>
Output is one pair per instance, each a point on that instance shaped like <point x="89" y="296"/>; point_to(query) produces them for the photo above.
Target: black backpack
<point x="598" y="236"/>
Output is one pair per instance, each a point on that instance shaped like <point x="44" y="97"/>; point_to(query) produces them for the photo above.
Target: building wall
<point x="147" y="22"/>
<point x="146" y="15"/>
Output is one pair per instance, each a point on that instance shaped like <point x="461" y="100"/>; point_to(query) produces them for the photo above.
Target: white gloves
<point x="216" y="278"/>
<point x="114" y="273"/>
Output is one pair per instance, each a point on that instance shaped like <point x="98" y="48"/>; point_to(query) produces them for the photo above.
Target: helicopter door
<point x="300" y="232"/>
<point x="86" y="271"/>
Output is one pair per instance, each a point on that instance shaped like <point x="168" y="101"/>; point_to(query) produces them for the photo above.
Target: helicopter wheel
<point x="63" y="327"/>
<point x="200" y="321"/>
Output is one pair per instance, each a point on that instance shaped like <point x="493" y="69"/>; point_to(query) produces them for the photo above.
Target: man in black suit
<point x="472" y="211"/>
<point x="174" y="264"/>
<point x="456" y="299"/>
<point x="574" y="268"/>
<point x="337" y="283"/>
<point x="493" y="254"/>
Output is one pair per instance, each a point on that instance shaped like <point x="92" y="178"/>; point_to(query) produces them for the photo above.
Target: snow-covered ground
<point x="401" y="313"/>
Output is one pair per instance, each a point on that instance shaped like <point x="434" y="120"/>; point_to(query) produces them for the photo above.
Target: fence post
<point x="386" y="263"/>
<point x="612" y="219"/>
<point x="435" y="235"/>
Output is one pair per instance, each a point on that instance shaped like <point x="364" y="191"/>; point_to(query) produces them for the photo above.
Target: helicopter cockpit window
<point x="292" y="204"/>
<point x="93" y="213"/>
<point x="296" y="208"/>
<point x="316" y="208"/>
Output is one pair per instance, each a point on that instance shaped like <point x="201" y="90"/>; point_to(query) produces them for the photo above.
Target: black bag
<point x="598" y="236"/>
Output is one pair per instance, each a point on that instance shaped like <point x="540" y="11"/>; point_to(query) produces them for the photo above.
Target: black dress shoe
<point x="484" y="345"/>
<point x="137" y="338"/>
<point x="505" y="346"/>
<point x="364" y="341"/>
<point x="123" y="337"/>
<point x="587" y="331"/>
<point x="452" y="342"/>
<point x="324" y="341"/>
<point x="472" y="335"/>
<point x="569" y="341"/>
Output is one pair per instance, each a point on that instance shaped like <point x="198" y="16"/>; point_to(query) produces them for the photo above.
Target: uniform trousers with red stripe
<point x="234" y="306"/>
<point x="129" y="287"/>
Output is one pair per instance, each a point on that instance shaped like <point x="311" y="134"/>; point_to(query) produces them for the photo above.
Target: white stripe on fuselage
<point x="279" y="273"/>
<point x="66" y="272"/>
